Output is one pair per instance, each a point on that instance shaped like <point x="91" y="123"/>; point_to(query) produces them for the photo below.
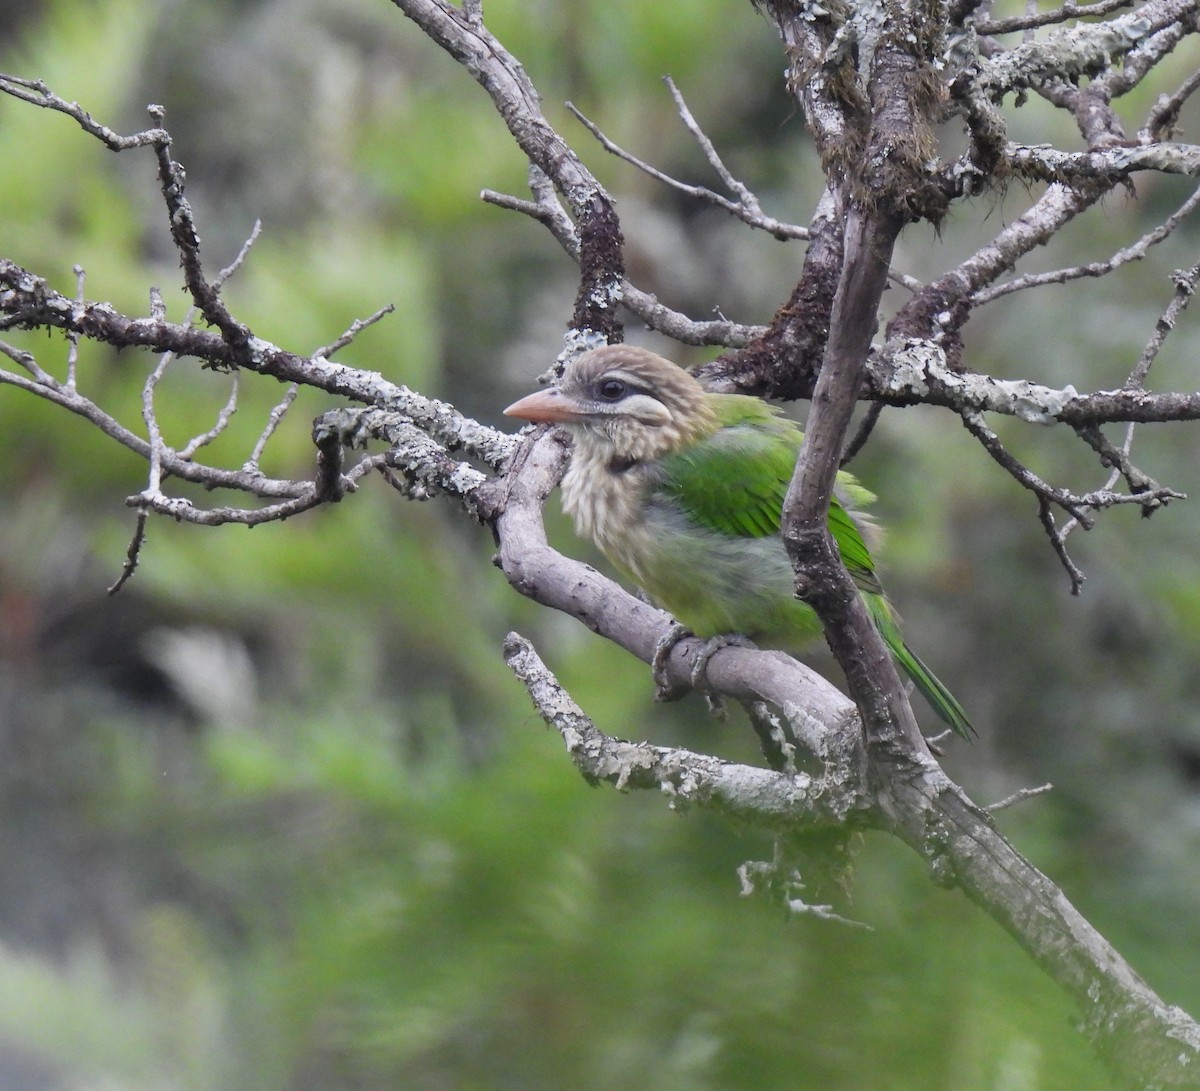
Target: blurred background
<point x="277" y="817"/>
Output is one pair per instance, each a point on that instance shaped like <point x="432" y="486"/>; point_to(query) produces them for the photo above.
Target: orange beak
<point x="544" y="406"/>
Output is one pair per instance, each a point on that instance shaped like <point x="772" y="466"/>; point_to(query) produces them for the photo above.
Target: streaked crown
<point x="634" y="400"/>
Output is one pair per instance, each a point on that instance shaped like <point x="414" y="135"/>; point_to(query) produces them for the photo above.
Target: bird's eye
<point x="611" y="389"/>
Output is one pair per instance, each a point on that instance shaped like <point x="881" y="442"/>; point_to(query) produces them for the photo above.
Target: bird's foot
<point x="716" y="703"/>
<point x="709" y="649"/>
<point x="663" y="689"/>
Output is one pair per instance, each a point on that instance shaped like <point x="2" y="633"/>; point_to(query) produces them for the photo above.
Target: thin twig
<point x="865" y="427"/>
<point x="1033" y="19"/>
<point x="150" y="417"/>
<point x="28" y="361"/>
<point x="1047" y="495"/>
<point x="1134" y="252"/>
<point x="1118" y="457"/>
<point x="171" y="178"/>
<point x="133" y="553"/>
<point x="356" y="327"/>
<point x="1144" y="488"/>
<point x="222" y="422"/>
<point x="1185" y="287"/>
<point x="1164" y="115"/>
<point x="546" y="209"/>
<point x="777" y="748"/>
<point x="213" y="477"/>
<point x="183" y="510"/>
<point x="1058" y="542"/>
<point x="746" y="211"/>
<point x="240" y="257"/>
<point x="1019" y="797"/>
<point x="36" y="92"/>
<point x="276" y="415"/>
<point x="73" y="336"/>
<point x="744" y="196"/>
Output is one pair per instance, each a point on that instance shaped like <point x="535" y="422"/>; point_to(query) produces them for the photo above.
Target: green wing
<point x="735" y="480"/>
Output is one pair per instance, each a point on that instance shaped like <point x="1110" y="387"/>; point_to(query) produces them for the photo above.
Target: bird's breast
<point x="605" y="504"/>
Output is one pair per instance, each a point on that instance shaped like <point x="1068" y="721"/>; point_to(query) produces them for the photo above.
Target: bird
<point x="682" y="489"/>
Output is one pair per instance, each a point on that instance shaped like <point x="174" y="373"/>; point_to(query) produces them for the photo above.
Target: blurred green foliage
<point x="277" y="817"/>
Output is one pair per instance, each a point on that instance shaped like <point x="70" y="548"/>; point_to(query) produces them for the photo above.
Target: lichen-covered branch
<point x="900" y="792"/>
<point x="876" y="83"/>
<point x="1084" y="50"/>
<point x="793" y="801"/>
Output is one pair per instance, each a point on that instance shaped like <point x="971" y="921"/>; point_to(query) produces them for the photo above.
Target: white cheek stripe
<point x="645" y="408"/>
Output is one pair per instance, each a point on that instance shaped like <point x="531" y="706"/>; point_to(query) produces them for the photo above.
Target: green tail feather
<point x="940" y="699"/>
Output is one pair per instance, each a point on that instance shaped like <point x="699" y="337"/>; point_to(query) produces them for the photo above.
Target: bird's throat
<point x="605" y="497"/>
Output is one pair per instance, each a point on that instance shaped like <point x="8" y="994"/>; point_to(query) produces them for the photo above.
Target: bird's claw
<point x="663" y="689"/>
<point x="716" y="703"/>
<point x="710" y="648"/>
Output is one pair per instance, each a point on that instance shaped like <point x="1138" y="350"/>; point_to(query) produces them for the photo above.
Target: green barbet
<point x="682" y="490"/>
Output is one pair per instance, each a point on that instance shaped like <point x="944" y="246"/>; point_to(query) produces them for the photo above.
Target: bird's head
<point x="624" y="402"/>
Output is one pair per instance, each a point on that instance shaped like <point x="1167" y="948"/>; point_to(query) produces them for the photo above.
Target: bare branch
<point x="273" y="420"/>
<point x="1049" y="164"/>
<point x="356" y="327"/>
<point x="1164" y="116"/>
<point x="1058" y="542"/>
<point x="1185" y="288"/>
<point x="183" y="510"/>
<point x="1134" y="252"/>
<point x="683" y="776"/>
<point x="132" y="554"/>
<point x="73" y="337"/>
<point x="1148" y="494"/>
<point x="462" y="34"/>
<point x="546" y="209"/>
<point x="1019" y="796"/>
<point x="36" y="92"/>
<point x="746" y="208"/>
<point x="224" y="416"/>
<point x="26" y="360"/>
<point x="1083" y="50"/>
<point x="821" y="577"/>
<point x="1025" y="477"/>
<point x="1168" y="31"/>
<point x="778" y="750"/>
<point x="1118" y="458"/>
<point x="424" y="463"/>
<point x="940" y="309"/>
<point x="908" y="372"/>
<point x="169" y="460"/>
<point x="239" y="258"/>
<point x="28" y="301"/>
<point x="859" y="439"/>
<point x="1033" y="19"/>
<point x="151" y="420"/>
